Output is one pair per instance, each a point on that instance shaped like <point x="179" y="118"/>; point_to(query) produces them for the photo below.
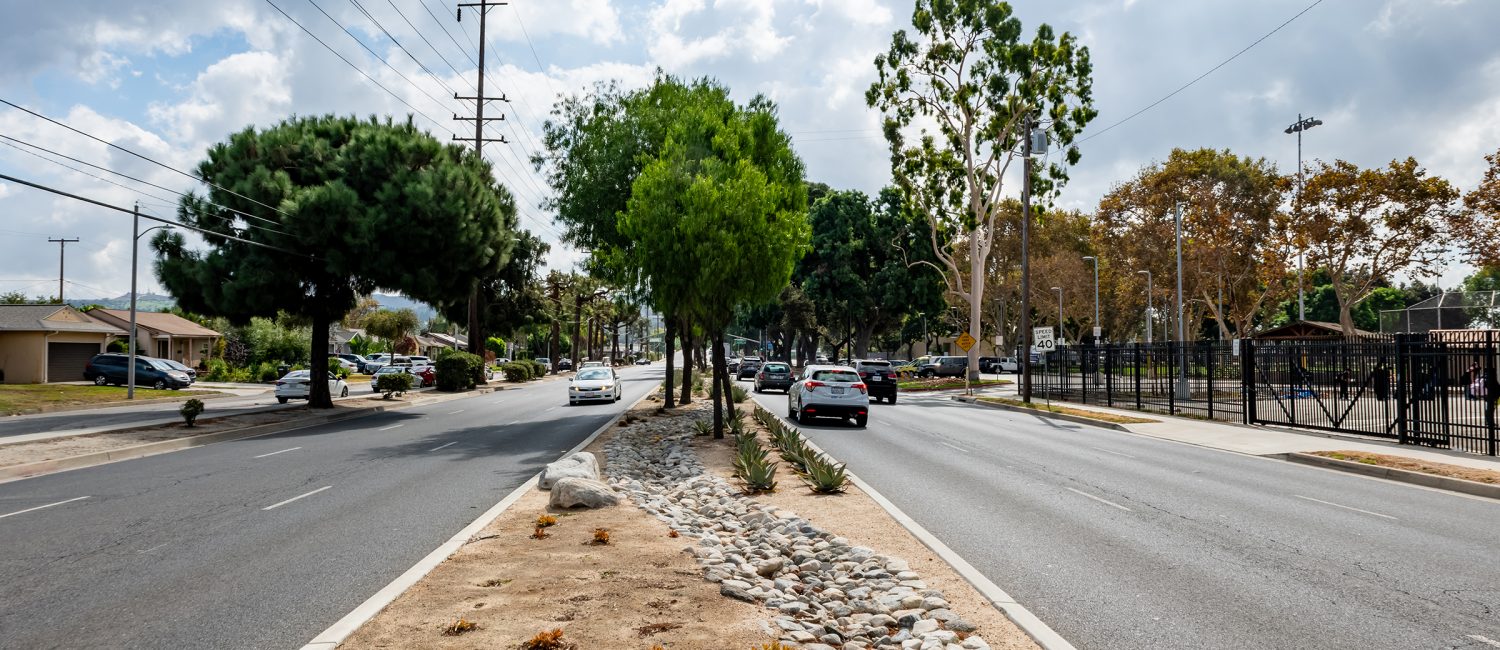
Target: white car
<point x="297" y="384"/>
<point x="592" y="364"/>
<point x="416" y="381"/>
<point x="596" y="384"/>
<point x="829" y="392"/>
<point x="343" y="363"/>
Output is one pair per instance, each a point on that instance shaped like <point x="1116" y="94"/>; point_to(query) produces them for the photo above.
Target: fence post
<point x="1172" y="349"/>
<point x="1109" y="374"/>
<point x="1209" y="352"/>
<point x="1489" y="400"/>
<point x="1140" y="356"/>
<point x="1247" y="380"/>
<point x="1403" y="373"/>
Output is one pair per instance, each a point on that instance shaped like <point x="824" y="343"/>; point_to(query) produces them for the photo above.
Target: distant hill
<point x="146" y="302"/>
<point x="425" y="312"/>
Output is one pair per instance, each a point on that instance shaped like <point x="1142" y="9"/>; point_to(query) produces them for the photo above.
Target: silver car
<point x="829" y="391"/>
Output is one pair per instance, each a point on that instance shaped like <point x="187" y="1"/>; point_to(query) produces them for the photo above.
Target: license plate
<point x="837" y="391"/>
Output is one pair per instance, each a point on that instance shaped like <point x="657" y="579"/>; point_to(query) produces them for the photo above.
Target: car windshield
<point x="777" y="367"/>
<point x="593" y="373"/>
<point x="296" y="374"/>
<point x="390" y="370"/>
<point x="160" y="365"/>
<point x="835" y="375"/>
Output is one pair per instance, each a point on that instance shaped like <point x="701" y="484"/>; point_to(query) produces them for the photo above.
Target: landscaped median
<point x="694" y="557"/>
<point x="1446" y="476"/>
<point x="938" y="383"/>
<point x="1083" y="416"/>
<point x="24" y="399"/>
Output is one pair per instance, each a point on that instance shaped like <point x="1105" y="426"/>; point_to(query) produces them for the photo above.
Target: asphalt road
<point x="1119" y="541"/>
<point x="263" y="543"/>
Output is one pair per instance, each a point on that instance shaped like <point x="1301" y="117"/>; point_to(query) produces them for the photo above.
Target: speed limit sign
<point x="1042" y="340"/>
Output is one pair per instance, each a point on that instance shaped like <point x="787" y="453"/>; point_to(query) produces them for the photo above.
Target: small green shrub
<point x="738" y="394"/>
<point x="753" y="466"/>
<point x="537" y="369"/>
<point x="824" y="476"/>
<point x="736" y="426"/>
<point x="516" y="372"/>
<point x="338" y="369"/>
<point x="702" y="428"/>
<point x="218" y="370"/>
<point x="393" y="383"/>
<point x="459" y="371"/>
<point x="266" y="372"/>
<point x="190" y="410"/>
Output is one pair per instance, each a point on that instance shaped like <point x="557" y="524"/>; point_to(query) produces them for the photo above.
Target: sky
<point x="169" y="78"/>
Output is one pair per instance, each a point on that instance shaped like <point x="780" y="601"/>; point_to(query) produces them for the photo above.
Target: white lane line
<point x="277" y="452"/>
<point x="393" y="426"/>
<point x="22" y="512"/>
<point x="510" y="423"/>
<point x="300" y="496"/>
<point x="441" y="446"/>
<point x="1103" y="501"/>
<point x="1330" y="503"/>
<point x="152" y="548"/>
<point x="953" y="446"/>
<point x="1111" y="452"/>
<point x="455" y="412"/>
<point x="1485" y="640"/>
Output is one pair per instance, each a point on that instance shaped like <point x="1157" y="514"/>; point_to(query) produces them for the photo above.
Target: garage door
<point x="65" y="361"/>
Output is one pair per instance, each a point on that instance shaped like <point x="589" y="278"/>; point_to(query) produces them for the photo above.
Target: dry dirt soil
<point x="1413" y="465"/>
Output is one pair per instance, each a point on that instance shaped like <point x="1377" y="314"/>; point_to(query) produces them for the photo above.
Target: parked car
<point x="340" y="362"/>
<point x="880" y="377"/>
<point x="297" y="384"/>
<point x="773" y="375"/>
<point x="944" y="367"/>
<point x="546" y="363"/>
<point x="358" y="361"/>
<point x="829" y="391"/>
<point x="386" y="370"/>
<point x="564" y="364"/>
<point x="748" y="367"/>
<point x="596" y="384"/>
<point x="733" y="364"/>
<point x="113" y="368"/>
<point x="643" y="361"/>
<point x="191" y="373"/>
<point x="1008" y="364"/>
<point x="418" y="360"/>
<point x="426" y="375"/>
<point x="592" y="364"/>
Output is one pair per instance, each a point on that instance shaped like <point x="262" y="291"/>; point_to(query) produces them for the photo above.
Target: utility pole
<point x="62" y="246"/>
<point x="476" y="328"/>
<point x="1026" y="263"/>
<point x="1182" y="382"/>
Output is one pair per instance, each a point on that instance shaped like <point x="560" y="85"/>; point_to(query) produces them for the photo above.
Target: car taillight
<point x="278" y="383"/>
<point x="813" y="384"/>
<point x="862" y="387"/>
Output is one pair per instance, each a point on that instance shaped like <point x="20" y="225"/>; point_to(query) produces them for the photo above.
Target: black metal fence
<point x="1427" y="389"/>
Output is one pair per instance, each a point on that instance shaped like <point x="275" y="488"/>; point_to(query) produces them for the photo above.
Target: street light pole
<point x="1028" y="141"/>
<point x="1098" y="328"/>
<point x="1148" y="303"/>
<point x="1298" y="127"/>
<point x="135" y="245"/>
<point x="1059" y="311"/>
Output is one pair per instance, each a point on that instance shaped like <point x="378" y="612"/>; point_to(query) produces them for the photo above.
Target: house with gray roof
<point x="49" y="343"/>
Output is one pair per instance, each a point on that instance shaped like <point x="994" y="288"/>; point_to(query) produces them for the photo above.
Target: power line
<point x="142" y="157"/>
<point x="80" y="171"/>
<point x="379" y="58"/>
<point x="150" y="217"/>
<point x="409" y="55"/>
<point x="1201" y="76"/>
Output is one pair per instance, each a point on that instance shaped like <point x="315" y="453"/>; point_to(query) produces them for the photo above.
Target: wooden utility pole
<point x="477" y="334"/>
<point x="62" y="247"/>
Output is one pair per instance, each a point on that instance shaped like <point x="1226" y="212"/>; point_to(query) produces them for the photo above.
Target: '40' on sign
<point x="965" y="341"/>
<point x="1042" y="340"/>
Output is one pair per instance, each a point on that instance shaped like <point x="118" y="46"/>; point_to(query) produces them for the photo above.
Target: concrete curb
<point x="1076" y="419"/>
<point x="351" y="622"/>
<point x="1029" y="623"/>
<point x="42" y="468"/>
<point x="1473" y="488"/>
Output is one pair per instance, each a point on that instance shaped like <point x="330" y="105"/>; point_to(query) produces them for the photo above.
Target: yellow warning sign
<point x="965" y="341"/>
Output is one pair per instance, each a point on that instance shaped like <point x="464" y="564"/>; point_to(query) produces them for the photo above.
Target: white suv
<point x="829" y="391"/>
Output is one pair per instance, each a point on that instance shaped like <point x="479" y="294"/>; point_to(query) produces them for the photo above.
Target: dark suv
<point x="944" y="367"/>
<point x="113" y="368"/>
<point x="773" y="375"/>
<point x="879" y="377"/>
<point x="748" y="367"/>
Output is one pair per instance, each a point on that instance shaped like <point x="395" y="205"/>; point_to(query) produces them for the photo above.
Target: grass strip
<point x="947" y="384"/>
<point x="21" y="399"/>
<point x="1065" y="410"/>
<point x="1415" y="465"/>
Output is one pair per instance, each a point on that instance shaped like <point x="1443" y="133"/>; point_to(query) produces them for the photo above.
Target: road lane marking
<point x="300" y="496"/>
<point x="1330" y="503"/>
<point x="953" y="446"/>
<point x="441" y="446"/>
<point x="152" y="548"/>
<point x="456" y="412"/>
<point x="22" y="512"/>
<point x="277" y="452"/>
<point x="510" y="423"/>
<point x="393" y="426"/>
<point x="1111" y="452"/>
<point x="1103" y="501"/>
<point x="1485" y="640"/>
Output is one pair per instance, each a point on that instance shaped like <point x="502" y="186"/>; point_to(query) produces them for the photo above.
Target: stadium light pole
<point x="1298" y="127"/>
<point x="1097" y="327"/>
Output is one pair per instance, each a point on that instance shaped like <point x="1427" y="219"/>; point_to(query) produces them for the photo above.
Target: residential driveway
<point x="1120" y="541"/>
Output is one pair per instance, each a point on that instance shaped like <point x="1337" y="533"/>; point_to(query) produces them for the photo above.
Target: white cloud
<point x="4" y="190"/>
<point x="243" y="89"/>
<point x="596" y="21"/>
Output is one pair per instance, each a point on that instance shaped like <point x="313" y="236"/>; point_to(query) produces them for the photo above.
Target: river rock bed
<point x="827" y="593"/>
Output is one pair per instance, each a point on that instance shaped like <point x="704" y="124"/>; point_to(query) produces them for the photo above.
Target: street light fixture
<point x="135" y="246"/>
<point x="1302" y="124"/>
<point x="1148" y="303"/>
<point x="1098" y="329"/>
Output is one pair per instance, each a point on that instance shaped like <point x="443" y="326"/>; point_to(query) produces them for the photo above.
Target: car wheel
<point x="344" y="392"/>
<point x="860" y="420"/>
<point x="160" y="384"/>
<point x="892" y="399"/>
<point x="101" y="380"/>
<point x="791" y="411"/>
<point x="281" y="399"/>
<point x="928" y="374"/>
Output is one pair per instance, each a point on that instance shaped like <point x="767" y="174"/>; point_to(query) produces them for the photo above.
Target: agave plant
<point x="797" y="454"/>
<point x="702" y="428"/>
<point x="758" y="475"/>
<point x="824" y="476"/>
<point x="738" y="394"/>
<point x="736" y="426"/>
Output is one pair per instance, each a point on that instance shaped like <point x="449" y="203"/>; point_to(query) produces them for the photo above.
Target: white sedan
<point x="297" y="384"/>
<point x="829" y="392"/>
<point x="597" y="384"/>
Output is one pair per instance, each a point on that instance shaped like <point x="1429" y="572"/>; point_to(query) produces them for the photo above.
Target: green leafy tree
<point x="392" y="326"/>
<point x="969" y="74"/>
<point x="1478" y="225"/>
<point x="349" y="205"/>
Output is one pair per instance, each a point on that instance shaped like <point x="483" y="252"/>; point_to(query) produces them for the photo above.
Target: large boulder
<point x="579" y="465"/>
<point x="570" y="492"/>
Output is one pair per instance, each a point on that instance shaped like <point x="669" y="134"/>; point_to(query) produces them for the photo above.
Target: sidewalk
<point x="1264" y="441"/>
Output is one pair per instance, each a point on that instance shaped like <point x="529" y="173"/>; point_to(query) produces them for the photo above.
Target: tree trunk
<point x="1346" y="319"/>
<point x="687" y="364"/>
<point x="318" y="396"/>
<point x="976" y="299"/>
<point x="476" y="322"/>
<point x="614" y="346"/>
<point x="671" y="331"/>
<point x="862" y="341"/>
<point x="721" y="370"/>
<point x="577" y="344"/>
<point x="556" y="347"/>
<point x="719" y="396"/>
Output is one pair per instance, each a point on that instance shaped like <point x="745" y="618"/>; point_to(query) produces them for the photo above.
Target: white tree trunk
<point x="976" y="301"/>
